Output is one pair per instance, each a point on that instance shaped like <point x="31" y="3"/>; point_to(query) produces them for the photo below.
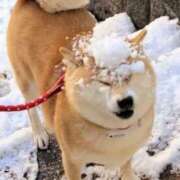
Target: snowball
<point x="110" y="52"/>
<point x="118" y="25"/>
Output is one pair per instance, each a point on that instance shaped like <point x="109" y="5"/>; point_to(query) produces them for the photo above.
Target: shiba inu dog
<point x="94" y="120"/>
<point x="103" y="122"/>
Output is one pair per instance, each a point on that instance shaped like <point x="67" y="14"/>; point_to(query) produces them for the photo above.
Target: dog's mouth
<point x="126" y="114"/>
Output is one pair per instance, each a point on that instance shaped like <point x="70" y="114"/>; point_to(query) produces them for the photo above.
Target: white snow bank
<point x="14" y="140"/>
<point x="163" y="36"/>
<point x="118" y="25"/>
<point x="19" y="156"/>
<point x="165" y="142"/>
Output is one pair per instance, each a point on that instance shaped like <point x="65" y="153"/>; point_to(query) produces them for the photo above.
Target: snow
<point x="117" y="26"/>
<point x="107" y="45"/>
<point x="4" y="87"/>
<point x="110" y="52"/>
<point x="165" y="142"/>
<point x="137" y="67"/>
<point x="162" y="45"/>
<point x="18" y="159"/>
<point x="162" y="37"/>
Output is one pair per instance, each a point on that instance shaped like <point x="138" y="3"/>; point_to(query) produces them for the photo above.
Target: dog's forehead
<point x="111" y="59"/>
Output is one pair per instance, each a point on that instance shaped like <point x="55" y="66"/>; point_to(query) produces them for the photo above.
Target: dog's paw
<point x="42" y="139"/>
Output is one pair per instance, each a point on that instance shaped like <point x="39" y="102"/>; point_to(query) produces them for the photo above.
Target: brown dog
<point x="102" y="122"/>
<point x="87" y="129"/>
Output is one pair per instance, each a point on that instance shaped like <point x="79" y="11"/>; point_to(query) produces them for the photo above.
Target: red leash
<point x="58" y="87"/>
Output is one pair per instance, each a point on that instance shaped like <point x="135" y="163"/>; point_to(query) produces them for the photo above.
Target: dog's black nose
<point x="126" y="103"/>
<point x="126" y="106"/>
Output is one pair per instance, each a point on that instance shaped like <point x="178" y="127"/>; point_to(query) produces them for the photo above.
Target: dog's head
<point x="4" y="84"/>
<point x="106" y="98"/>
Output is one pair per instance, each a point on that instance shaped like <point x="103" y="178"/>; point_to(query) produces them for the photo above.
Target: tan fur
<point x="53" y="6"/>
<point x="82" y="130"/>
<point x="34" y="38"/>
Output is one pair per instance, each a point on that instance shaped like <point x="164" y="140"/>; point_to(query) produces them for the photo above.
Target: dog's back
<point x="34" y="39"/>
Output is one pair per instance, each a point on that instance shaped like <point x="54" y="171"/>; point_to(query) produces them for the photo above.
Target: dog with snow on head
<point x="107" y="109"/>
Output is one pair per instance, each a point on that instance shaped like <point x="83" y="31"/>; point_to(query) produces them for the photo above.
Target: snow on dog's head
<point x="4" y="85"/>
<point x="110" y="81"/>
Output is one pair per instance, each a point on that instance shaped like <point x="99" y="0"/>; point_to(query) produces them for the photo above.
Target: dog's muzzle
<point x="126" y="108"/>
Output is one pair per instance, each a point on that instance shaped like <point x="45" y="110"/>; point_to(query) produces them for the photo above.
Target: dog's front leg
<point x="72" y="169"/>
<point x="127" y="172"/>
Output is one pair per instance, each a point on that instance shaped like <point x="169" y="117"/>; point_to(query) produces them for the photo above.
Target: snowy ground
<point x="18" y="154"/>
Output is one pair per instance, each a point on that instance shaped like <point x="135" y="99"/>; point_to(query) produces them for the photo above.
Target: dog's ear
<point x="137" y="39"/>
<point x="68" y="57"/>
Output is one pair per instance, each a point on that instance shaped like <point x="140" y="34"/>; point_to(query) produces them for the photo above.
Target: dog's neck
<point x="53" y="6"/>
